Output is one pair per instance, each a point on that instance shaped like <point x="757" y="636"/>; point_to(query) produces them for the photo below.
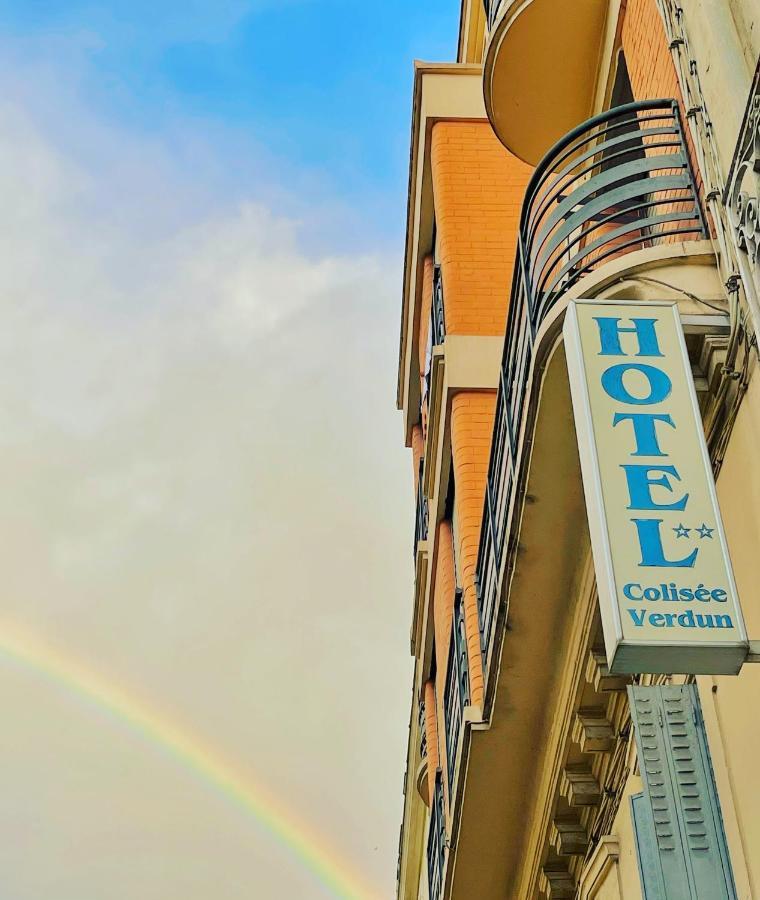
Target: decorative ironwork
<point x="729" y="214"/>
<point x="437" y="318"/>
<point x="457" y="694"/>
<point x="422" y="516"/>
<point x="436" y="844"/>
<point x="620" y="182"/>
<point x="741" y="197"/>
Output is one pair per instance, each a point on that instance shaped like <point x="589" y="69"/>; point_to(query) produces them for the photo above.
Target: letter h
<point x="610" y="331"/>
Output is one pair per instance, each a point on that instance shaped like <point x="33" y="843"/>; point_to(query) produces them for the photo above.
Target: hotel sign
<point x="666" y="590"/>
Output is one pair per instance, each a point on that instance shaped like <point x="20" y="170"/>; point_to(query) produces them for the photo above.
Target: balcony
<point x="436" y="844"/>
<point x="619" y="183"/>
<point x="540" y="69"/>
<point x="457" y="693"/>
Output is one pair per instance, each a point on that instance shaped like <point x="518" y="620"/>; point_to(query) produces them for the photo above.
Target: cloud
<point x="203" y="480"/>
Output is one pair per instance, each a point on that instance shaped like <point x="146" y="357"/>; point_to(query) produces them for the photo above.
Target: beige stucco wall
<point x="722" y="38"/>
<point x="732" y="705"/>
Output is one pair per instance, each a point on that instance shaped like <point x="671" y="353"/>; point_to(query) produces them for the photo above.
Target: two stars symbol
<point x="703" y="532"/>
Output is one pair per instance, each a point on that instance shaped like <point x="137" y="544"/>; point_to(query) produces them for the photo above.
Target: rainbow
<point x="192" y="753"/>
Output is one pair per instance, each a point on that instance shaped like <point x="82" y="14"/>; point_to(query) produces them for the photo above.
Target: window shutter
<point x="686" y="840"/>
<point x="650" y="868"/>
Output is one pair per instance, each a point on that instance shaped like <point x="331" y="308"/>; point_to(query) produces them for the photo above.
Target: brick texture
<point x="418" y="449"/>
<point x="647" y="55"/>
<point x="650" y="65"/>
<point x="479" y="189"/>
<point x="431" y="735"/>
<point x="472" y="417"/>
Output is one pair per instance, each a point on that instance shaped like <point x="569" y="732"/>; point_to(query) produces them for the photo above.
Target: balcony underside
<point x="502" y="762"/>
<point x="540" y="71"/>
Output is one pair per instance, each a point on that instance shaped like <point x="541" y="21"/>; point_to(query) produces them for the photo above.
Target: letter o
<point x="651" y="593"/>
<point x="660" y="384"/>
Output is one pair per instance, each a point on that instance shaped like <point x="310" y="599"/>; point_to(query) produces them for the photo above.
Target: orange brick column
<point x="647" y="55"/>
<point x="472" y="417"/>
<point x="431" y="736"/>
<point x="418" y="450"/>
<point x="478" y="188"/>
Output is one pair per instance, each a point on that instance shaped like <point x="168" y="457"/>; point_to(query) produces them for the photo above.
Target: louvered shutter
<point x="689" y="839"/>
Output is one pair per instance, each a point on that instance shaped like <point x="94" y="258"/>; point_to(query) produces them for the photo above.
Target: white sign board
<point x="666" y="590"/>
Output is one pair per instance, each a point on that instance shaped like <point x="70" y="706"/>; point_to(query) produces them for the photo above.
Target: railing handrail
<point x="492" y="8"/>
<point x="616" y="112"/>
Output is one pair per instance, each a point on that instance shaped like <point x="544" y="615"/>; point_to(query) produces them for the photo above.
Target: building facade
<point x="603" y="150"/>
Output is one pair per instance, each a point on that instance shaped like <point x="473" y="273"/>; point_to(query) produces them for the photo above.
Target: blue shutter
<point x="679" y="830"/>
<point x="650" y="868"/>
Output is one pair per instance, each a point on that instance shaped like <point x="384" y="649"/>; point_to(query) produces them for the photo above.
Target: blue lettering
<point x="640" y="486"/>
<point x="644" y="431"/>
<point x="660" y="384"/>
<point x="610" y="331"/>
<point x="650" y="543"/>
<point x="638" y="616"/>
<point x="628" y="591"/>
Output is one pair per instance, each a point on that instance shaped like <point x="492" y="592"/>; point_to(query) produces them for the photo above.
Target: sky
<point x="206" y="547"/>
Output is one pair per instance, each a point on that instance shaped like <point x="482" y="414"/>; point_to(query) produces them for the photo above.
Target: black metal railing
<point x="437" y="318"/>
<point x="620" y="182"/>
<point x="436" y="845"/>
<point x="493" y="10"/>
<point x="422" y="513"/>
<point x="457" y="693"/>
<point x="422" y="730"/>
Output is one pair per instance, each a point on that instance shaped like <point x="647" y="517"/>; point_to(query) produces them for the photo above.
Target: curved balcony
<point x="620" y="182"/>
<point x="540" y="69"/>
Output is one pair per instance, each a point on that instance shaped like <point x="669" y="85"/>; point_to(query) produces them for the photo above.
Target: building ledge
<point x="461" y="363"/>
<point x="442" y="92"/>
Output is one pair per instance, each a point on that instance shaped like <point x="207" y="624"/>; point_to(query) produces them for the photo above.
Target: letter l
<point x="650" y="543"/>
